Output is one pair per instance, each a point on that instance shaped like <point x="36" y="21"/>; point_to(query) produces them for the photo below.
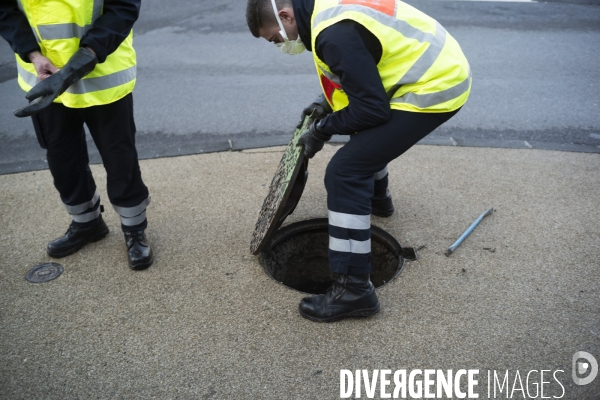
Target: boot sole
<point x="382" y="214"/>
<point x="365" y="312"/>
<point x="97" y="237"/>
<point x="141" y="266"/>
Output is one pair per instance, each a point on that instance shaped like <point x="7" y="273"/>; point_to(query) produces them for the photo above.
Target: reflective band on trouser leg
<point x="133" y="221"/>
<point x="381" y="174"/>
<point x="87" y="217"/>
<point x="80" y="213"/>
<point x="350" y="226"/>
<point x="131" y="216"/>
<point x="79" y="208"/>
<point x="350" y="246"/>
<point x="349" y="241"/>
<point x="349" y="221"/>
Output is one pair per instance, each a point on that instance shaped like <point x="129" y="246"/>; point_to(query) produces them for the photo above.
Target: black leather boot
<point x="382" y="206"/>
<point x="77" y="237"/>
<point x="139" y="252"/>
<point x="350" y="296"/>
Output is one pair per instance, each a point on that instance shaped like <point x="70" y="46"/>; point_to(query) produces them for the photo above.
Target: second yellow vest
<point x="422" y="67"/>
<point x="58" y="26"/>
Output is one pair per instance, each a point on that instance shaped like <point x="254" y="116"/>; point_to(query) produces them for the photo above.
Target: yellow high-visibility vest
<point x="58" y="27"/>
<point x="422" y="67"/>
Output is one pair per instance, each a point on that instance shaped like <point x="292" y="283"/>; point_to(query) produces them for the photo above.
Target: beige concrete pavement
<point x="205" y="322"/>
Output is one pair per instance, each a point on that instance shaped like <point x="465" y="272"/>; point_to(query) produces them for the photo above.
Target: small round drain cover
<point x="44" y="272"/>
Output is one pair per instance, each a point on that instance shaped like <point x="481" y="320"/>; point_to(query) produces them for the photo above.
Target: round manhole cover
<point x="298" y="257"/>
<point x="44" y="272"/>
<point x="284" y="192"/>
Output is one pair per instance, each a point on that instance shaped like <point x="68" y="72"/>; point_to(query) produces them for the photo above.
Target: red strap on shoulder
<point x="385" y="6"/>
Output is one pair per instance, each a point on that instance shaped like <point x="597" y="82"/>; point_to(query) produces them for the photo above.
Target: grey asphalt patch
<point x="160" y="145"/>
<point x="8" y="71"/>
<point x="233" y="85"/>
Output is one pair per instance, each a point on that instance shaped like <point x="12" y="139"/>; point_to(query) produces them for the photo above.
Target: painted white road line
<point x="496" y="1"/>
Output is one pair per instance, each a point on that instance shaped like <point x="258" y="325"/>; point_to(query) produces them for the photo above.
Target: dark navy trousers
<point x="60" y="131"/>
<point x="356" y="173"/>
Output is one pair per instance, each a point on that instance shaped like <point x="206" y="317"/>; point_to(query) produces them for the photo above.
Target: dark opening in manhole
<point x="297" y="257"/>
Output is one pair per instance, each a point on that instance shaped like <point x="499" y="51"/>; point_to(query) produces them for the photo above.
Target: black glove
<point x="320" y="105"/>
<point x="43" y="94"/>
<point x="313" y="140"/>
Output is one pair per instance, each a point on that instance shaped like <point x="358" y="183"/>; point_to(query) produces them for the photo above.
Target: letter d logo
<point x="581" y="368"/>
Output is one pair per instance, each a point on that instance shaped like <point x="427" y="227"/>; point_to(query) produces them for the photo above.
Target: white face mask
<point x="292" y="47"/>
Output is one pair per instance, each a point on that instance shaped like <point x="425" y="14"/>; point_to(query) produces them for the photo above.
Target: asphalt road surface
<point x="205" y="84"/>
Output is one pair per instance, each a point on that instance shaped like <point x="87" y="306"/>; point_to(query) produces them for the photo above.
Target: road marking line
<point x="498" y="1"/>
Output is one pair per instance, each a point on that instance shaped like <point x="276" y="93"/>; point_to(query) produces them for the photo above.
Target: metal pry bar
<point x="468" y="231"/>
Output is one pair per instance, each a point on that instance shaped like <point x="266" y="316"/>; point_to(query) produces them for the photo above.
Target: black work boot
<point x="382" y="206"/>
<point x="77" y="237"/>
<point x="139" y="252"/>
<point x="350" y="296"/>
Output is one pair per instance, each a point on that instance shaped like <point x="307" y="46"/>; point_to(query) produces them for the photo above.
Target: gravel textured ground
<point x="521" y="293"/>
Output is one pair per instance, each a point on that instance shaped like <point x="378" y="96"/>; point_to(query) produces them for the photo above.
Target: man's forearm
<point x="15" y="29"/>
<point x="112" y="27"/>
<point x="352" y="59"/>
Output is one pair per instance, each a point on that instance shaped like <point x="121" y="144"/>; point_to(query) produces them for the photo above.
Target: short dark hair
<point x="259" y="13"/>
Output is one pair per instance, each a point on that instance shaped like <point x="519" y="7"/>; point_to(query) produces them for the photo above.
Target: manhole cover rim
<point x="318" y="224"/>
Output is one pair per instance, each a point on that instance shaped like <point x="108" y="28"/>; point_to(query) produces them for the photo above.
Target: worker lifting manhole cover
<point x="44" y="272"/>
<point x="297" y="257"/>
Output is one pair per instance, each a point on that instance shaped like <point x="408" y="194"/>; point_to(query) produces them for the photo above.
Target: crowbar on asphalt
<point x="468" y="231"/>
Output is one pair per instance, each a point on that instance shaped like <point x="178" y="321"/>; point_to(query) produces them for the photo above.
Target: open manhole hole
<point x="297" y="257"/>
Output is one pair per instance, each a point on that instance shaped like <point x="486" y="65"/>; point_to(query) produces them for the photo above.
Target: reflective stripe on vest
<point x="427" y="100"/>
<point x="422" y="67"/>
<point x="58" y="27"/>
<point x="65" y="30"/>
<point x="87" y="85"/>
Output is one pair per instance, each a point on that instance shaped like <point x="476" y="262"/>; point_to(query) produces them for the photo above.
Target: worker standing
<point x="390" y="75"/>
<point x="77" y="64"/>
